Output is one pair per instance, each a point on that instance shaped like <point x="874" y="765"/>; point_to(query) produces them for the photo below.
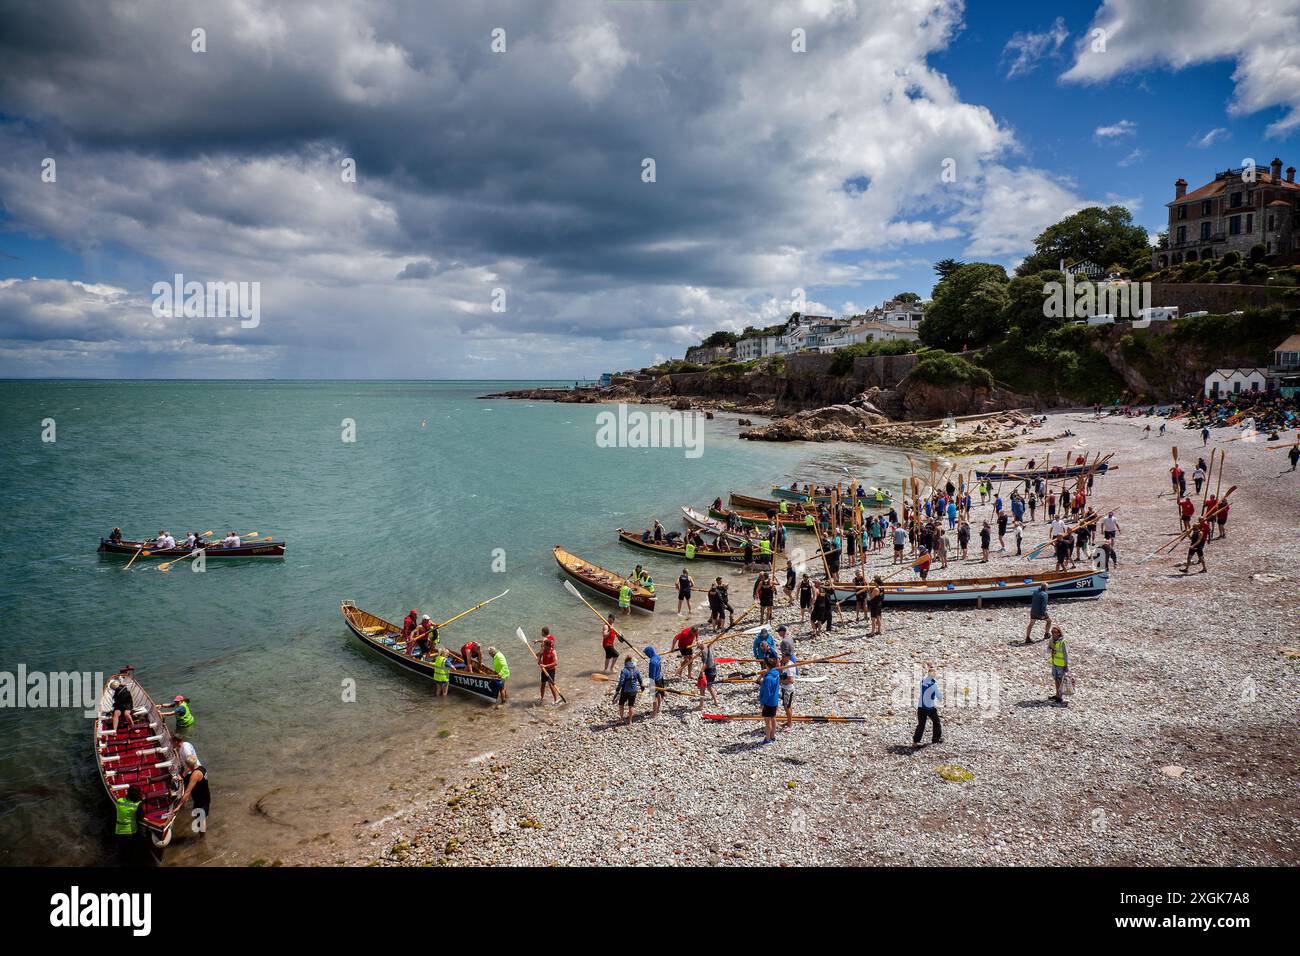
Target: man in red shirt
<point x="608" y="636"/>
<point x="1222" y="517"/>
<point x="549" y="662"/>
<point x="409" y="623"/>
<point x="684" y="642"/>
<point x="1185" y="511"/>
<point x="472" y="655"/>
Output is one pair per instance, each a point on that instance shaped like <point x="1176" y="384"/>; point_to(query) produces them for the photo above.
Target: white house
<point x="867" y="332"/>
<point x="1234" y="381"/>
<point x="756" y="347"/>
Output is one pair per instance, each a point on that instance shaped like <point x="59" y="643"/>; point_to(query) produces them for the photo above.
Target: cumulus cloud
<point x="475" y="170"/>
<point x="1262" y="37"/>
<point x="1025" y="50"/>
<point x="1014" y="206"/>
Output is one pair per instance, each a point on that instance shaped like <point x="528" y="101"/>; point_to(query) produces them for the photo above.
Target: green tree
<point x="907" y="297"/>
<point x="1025" y="304"/>
<point x="946" y="267"/>
<point x="967" y="308"/>
<point x="1102" y="235"/>
<point x="721" y="340"/>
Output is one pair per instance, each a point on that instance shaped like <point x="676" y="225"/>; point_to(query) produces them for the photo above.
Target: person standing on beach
<point x="876" y="605"/>
<point x="656" y="666"/>
<point x="1221" y="517"/>
<point x="765" y="594"/>
<point x="708" y="675"/>
<point x="900" y="540"/>
<point x="1200" y="534"/>
<point x="1205" y="436"/>
<point x="1019" y="536"/>
<point x="607" y="637"/>
<point x="963" y="536"/>
<point x="1185" y="511"/>
<point x="549" y="662"/>
<point x="790" y="580"/>
<point x="1038" y="612"/>
<point x="685" y="583"/>
<point x="629" y="682"/>
<point x="805" y="596"/>
<point x="502" y="669"/>
<point x="927" y="708"/>
<point x="1198" y="476"/>
<point x="986" y="538"/>
<point x="1294" y="454"/>
<point x="684" y="644"/>
<point x="788" y="672"/>
<point x="1060" y="658"/>
<point x="769" y="698"/>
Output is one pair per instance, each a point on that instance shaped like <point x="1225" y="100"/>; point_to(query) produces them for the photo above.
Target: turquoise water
<point x="409" y="515"/>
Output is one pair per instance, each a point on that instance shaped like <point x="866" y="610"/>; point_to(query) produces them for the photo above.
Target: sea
<point x="392" y="494"/>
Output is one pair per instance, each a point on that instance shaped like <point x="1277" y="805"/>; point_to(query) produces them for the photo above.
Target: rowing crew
<point x="165" y="542"/>
<point x="420" y="640"/>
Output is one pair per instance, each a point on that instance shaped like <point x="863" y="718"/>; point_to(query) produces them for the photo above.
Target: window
<point x="1254" y="385"/>
<point x="1250" y="197"/>
<point x="1205" y="230"/>
<point x="1236" y="388"/>
<point x="1182" y="212"/>
<point x="1236" y="200"/>
<point x="1234" y="226"/>
<point x="1271" y="220"/>
<point x="1182" y="234"/>
<point x="1250" y="223"/>
<point x="1205" y="207"/>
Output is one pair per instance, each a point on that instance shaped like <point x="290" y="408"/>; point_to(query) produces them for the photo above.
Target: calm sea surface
<point x="409" y="515"/>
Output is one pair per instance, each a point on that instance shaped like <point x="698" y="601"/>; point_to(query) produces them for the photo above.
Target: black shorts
<point x="548" y="676"/>
<point x="710" y="676"/>
<point x="627" y="698"/>
<point x="659" y="688"/>
<point x="683" y="594"/>
<point x="686" y="651"/>
<point x="611" y="652"/>
<point x="805" y="601"/>
<point x="1196" y="552"/>
<point x="765" y="600"/>
<point x="769" y="710"/>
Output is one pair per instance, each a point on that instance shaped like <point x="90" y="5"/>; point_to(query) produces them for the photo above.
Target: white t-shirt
<point x="187" y="749"/>
<point x="166" y="541"/>
<point x="1058" y="528"/>
<point x="230" y="542"/>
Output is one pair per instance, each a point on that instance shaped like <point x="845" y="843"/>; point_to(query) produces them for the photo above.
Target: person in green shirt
<point x="442" y="672"/>
<point x="501" y="668"/>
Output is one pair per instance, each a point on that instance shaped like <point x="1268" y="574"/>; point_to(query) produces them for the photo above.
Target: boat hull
<point x="1049" y="474"/>
<point x="1010" y="588"/>
<point x="588" y="575"/>
<point x="125" y="758"/>
<point x="480" y="685"/>
<point x="128" y="549"/>
<point x="701" y="554"/>
<point x="788" y="494"/>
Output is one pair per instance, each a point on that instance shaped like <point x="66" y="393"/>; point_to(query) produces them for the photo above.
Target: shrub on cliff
<point x="944" y="368"/>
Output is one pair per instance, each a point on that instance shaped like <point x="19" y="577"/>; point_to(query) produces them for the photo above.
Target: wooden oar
<point x="568" y="586"/>
<point x="827" y="719"/>
<point x="545" y="673"/>
<point x="138" y="551"/>
<point x="666" y="690"/>
<point x="438" y="627"/>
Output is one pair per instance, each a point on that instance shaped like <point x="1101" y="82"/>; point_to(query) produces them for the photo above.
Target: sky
<point x="503" y="221"/>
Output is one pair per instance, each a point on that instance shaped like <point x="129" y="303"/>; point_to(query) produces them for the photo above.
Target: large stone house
<point x="1239" y="208"/>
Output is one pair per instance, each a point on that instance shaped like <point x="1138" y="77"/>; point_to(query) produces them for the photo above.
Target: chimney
<point x="1290" y="174"/>
<point x="1180" y="188"/>
<point x="1276" y="167"/>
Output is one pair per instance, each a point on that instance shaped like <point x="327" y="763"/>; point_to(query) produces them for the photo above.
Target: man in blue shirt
<point x="1038" y="612"/>
<point x="927" y="709"/>
<point x="769" y="698"/>
<point x="764" y="646"/>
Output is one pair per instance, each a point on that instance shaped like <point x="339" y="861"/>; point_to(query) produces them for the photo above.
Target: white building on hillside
<point x="756" y="347"/>
<point x="1234" y="381"/>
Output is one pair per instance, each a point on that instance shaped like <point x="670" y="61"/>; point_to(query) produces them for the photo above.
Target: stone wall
<point x="1219" y="298"/>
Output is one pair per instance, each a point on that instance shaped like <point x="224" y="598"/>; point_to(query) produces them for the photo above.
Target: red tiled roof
<point x="1219" y="186"/>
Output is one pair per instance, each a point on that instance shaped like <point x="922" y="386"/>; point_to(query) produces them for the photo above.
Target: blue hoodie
<point x="656" y="665"/>
<point x="769" y="691"/>
<point x="764" y="646"/>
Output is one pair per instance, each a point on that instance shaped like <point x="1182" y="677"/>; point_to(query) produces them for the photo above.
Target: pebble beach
<point x="1178" y="748"/>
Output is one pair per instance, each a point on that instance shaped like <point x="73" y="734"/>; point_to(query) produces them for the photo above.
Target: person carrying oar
<point x="630" y="682"/>
<point x="549" y="662"/>
<point x="1196" y="549"/>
